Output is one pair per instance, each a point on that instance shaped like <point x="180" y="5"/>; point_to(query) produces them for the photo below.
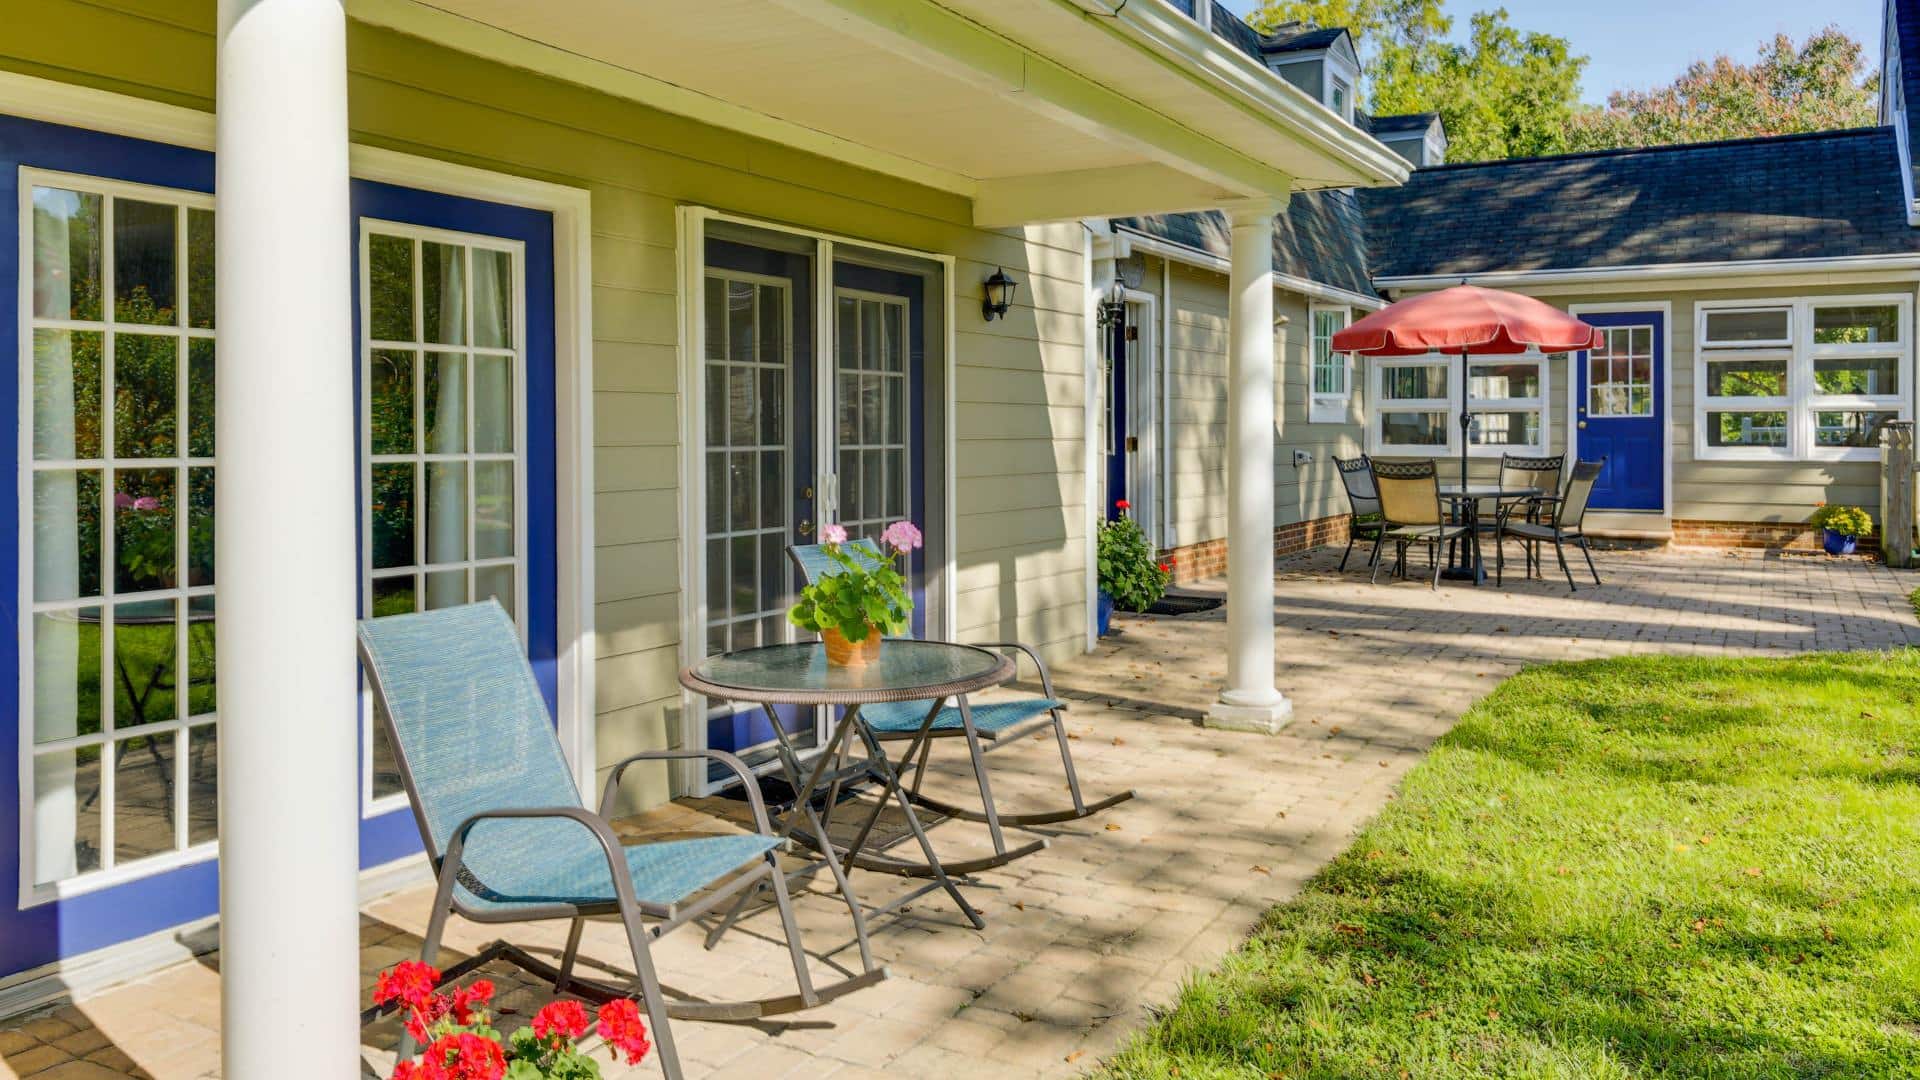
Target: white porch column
<point x="1249" y="701"/>
<point x="289" y="822"/>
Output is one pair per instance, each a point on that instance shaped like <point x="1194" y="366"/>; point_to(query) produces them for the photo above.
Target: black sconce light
<point x="999" y="295"/>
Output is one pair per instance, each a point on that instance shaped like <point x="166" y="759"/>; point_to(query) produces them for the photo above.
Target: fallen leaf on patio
<point x="1070" y="735"/>
<point x="1753" y="871"/>
<point x="1113" y="827"/>
<point x="1383" y="764"/>
<point x="1499" y="629"/>
<point x="1258" y="869"/>
<point x="1076" y="1056"/>
<point x="1334" y="730"/>
<point x="1118" y="741"/>
<point x="1023" y="1017"/>
<point x="1019" y="905"/>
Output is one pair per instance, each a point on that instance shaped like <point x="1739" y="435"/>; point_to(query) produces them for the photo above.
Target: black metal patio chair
<point x="1413" y="513"/>
<point x="510" y="840"/>
<point x="1561" y="519"/>
<point x="1363" y="504"/>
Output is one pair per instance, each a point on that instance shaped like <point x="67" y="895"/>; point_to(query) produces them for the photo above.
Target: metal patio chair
<point x="510" y="840"/>
<point x="1412" y="513"/>
<point x="1560" y="523"/>
<point x="1356" y="474"/>
<point x="1000" y="723"/>
<point x="1540" y="473"/>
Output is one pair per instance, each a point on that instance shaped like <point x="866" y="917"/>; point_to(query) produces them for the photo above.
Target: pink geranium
<point x="833" y="534"/>
<point x="902" y="537"/>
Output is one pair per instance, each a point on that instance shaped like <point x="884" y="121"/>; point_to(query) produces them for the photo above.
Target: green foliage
<point x="1504" y="93"/>
<point x="1820" y="85"/>
<point x="1845" y="520"/>
<point x="529" y="1059"/>
<point x="1638" y="867"/>
<point x="1129" y="572"/>
<point x="863" y="597"/>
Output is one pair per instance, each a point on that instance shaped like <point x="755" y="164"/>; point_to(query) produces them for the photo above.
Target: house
<point x="589" y="309"/>
<point x="1757" y="297"/>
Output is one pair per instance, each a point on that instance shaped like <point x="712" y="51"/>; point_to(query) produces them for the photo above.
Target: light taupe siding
<point x="1019" y="394"/>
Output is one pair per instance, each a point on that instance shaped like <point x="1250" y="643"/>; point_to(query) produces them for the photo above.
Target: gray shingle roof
<point x="1321" y="238"/>
<point x="1820" y="195"/>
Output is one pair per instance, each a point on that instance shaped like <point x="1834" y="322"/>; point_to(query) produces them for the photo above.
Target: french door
<point x="812" y="413"/>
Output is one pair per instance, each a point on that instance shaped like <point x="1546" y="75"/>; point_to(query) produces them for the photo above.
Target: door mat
<point x="1171" y="604"/>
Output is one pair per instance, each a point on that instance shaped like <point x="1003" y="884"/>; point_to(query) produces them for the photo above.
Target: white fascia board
<point x="1186" y="256"/>
<point x="1184" y="43"/>
<point x="1661" y="272"/>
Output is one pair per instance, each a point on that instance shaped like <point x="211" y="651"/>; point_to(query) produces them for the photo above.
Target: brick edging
<point x="1208" y="558"/>
<point x="1765" y="535"/>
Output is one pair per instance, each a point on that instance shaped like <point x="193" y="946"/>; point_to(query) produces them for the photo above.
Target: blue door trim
<point x="392" y="835"/>
<point x="1635" y="448"/>
<point x="45" y="933"/>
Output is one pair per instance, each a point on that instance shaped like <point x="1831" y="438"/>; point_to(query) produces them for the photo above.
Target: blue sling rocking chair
<point x="510" y="841"/>
<point x="999" y="723"/>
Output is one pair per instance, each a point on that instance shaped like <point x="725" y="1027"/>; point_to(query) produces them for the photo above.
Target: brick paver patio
<point x="1084" y="938"/>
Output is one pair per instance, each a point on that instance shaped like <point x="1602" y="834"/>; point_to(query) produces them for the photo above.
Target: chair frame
<point x="1441" y="532"/>
<point x="631" y="910"/>
<point x="1355" y="527"/>
<point x="1561" y="531"/>
<point x="989" y="814"/>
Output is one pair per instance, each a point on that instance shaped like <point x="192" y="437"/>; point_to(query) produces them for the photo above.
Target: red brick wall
<point x="1208" y="558"/>
<point x="1771" y="535"/>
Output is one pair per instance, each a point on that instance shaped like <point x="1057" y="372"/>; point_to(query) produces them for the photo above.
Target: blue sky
<point x="1644" y="43"/>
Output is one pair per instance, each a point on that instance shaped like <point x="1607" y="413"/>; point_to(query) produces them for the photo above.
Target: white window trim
<point x="1450" y="404"/>
<point x="371" y="805"/>
<point x="1328" y="408"/>
<point x="1800" y="403"/>
<point x="101" y="110"/>
<point x="690" y="777"/>
<point x="34" y="893"/>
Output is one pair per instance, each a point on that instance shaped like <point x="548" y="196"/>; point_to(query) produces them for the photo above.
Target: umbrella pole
<point x="1466" y="419"/>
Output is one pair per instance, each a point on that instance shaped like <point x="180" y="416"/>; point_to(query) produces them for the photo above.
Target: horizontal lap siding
<point x="1020" y="399"/>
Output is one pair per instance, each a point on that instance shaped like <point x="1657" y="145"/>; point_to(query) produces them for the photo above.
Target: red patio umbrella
<point x="1466" y="321"/>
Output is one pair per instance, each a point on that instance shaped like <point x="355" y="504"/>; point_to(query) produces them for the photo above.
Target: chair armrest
<point x="1046" y="677"/>
<point x="609" y="843"/>
<point x="739" y="768"/>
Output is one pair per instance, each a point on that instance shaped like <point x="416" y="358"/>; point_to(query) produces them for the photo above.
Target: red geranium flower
<point x="1166" y="568"/>
<point x="469" y="1057"/>
<point x="566" y="1018"/>
<point x="420" y="1070"/>
<point x="411" y="983"/>
<point x="1123" y="504"/>
<point x="468" y="999"/>
<point x="621" y="1026"/>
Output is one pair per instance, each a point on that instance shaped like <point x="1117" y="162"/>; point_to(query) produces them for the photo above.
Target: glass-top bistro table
<point x="1469" y="564"/>
<point x="798" y="674"/>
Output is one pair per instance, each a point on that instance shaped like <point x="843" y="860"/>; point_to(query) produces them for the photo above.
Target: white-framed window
<point x="443" y="429"/>
<point x="1340" y="96"/>
<point x="1802" y="379"/>
<point x="1415" y="406"/>
<point x="1332" y="388"/>
<point x="119" y="725"/>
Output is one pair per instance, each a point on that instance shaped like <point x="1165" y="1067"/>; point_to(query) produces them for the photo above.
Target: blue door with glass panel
<point x="1620" y="409"/>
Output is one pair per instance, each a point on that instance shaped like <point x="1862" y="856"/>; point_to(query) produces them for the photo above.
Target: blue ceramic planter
<point x="1835" y="543"/>
<point x="1104" y="613"/>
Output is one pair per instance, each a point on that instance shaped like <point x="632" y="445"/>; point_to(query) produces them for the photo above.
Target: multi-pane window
<point x="120" y="722"/>
<point x="1331" y="384"/>
<point x="1620" y="373"/>
<point x="1411" y="405"/>
<point x="870" y="372"/>
<point x="442" y="379"/>
<point x="1508" y="397"/>
<point x="749" y="340"/>
<point x="1806" y="379"/>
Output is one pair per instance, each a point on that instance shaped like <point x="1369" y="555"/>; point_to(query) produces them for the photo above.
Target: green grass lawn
<point x="1635" y="867"/>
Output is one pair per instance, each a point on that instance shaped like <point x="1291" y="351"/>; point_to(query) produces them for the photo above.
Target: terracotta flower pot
<point x="844" y="653"/>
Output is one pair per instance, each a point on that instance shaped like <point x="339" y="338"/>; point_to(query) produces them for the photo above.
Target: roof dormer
<point x="1321" y="62"/>
<point x="1421" y="138"/>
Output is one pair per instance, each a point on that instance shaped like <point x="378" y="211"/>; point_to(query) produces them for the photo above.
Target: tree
<point x="1504" y="93"/>
<point x="1818" y="86"/>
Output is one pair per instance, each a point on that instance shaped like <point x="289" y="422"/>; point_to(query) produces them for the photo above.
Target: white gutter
<point x="1181" y="253"/>
<point x="1656" y="272"/>
<point x="1195" y="49"/>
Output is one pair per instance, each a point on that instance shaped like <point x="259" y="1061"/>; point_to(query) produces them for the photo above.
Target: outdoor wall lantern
<point x="999" y="295"/>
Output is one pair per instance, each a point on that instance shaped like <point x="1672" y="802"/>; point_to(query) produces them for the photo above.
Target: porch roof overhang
<point x="1038" y="110"/>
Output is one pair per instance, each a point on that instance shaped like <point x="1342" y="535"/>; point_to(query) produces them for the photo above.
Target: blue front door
<point x="1621" y="409"/>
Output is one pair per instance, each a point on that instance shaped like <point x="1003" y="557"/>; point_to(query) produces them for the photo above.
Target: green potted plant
<point x="1841" y="527"/>
<point x="853" y="610"/>
<point x="1131" y="578"/>
<point x="460" y="1042"/>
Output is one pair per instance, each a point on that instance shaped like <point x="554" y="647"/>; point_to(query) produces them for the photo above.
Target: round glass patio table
<point x="799" y="674"/>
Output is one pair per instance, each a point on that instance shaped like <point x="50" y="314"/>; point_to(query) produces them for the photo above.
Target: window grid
<point x="1496" y="407"/>
<point x="118" y="614"/>
<point x="1329" y="367"/>
<point x="747" y="520"/>
<point x="1620" y="373"/>
<point x="874" y="414"/>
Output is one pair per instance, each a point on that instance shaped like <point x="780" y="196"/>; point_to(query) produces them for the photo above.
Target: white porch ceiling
<point x="1036" y="109"/>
